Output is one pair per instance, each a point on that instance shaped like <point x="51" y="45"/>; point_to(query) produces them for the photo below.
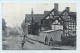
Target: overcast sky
<point x="15" y="13"/>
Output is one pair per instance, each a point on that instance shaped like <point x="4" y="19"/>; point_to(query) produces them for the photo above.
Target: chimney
<point x="68" y="9"/>
<point x="56" y="8"/>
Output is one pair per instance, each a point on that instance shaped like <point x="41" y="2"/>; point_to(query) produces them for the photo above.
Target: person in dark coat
<point x="23" y="41"/>
<point x="51" y="41"/>
<point x="46" y="40"/>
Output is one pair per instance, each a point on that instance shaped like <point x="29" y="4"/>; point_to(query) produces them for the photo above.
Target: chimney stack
<point x="56" y="8"/>
<point x="68" y="9"/>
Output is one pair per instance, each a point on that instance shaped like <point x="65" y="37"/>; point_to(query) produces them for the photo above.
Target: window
<point x="53" y="13"/>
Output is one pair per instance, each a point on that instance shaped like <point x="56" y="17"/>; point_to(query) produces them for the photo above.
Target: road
<point x="14" y="43"/>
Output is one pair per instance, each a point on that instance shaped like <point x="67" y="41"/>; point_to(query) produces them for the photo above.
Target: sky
<point x="14" y="13"/>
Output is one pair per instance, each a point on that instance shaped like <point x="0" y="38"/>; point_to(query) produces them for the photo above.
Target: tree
<point x="32" y="28"/>
<point x="36" y="27"/>
<point x="23" y="25"/>
<point x="3" y="24"/>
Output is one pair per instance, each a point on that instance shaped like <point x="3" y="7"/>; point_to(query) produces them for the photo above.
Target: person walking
<point x="22" y="44"/>
<point x="46" y="40"/>
<point x="23" y="41"/>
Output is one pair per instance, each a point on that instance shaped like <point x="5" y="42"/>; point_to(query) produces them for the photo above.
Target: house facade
<point x="54" y="20"/>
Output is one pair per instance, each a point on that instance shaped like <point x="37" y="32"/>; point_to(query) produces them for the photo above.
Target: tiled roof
<point x="39" y="17"/>
<point x="36" y="17"/>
